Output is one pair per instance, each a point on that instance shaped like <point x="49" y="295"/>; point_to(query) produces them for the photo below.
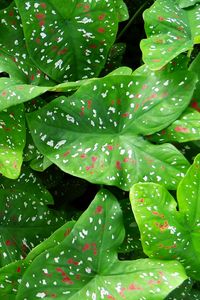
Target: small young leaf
<point x="102" y="124"/>
<point x="165" y="232"/>
<point x="85" y="264"/>
<point x="12" y="141"/>
<point x="170" y="31"/>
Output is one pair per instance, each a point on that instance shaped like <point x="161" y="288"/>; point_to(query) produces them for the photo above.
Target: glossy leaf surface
<point x="85" y="264"/>
<point x="170" y="31"/>
<point x="69" y="40"/>
<point x="101" y="129"/>
<point x="166" y="232"/>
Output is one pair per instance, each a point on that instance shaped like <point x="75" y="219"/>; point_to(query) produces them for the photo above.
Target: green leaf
<point x="69" y="40"/>
<point x="122" y="11"/>
<point x="11" y="275"/>
<point x="165" y="232"/>
<point x="13" y="134"/>
<point x="195" y="67"/>
<point x="187" y="3"/>
<point x="170" y="31"/>
<point x="85" y="264"/>
<point x="14" y="58"/>
<point x="101" y="129"/>
<point x="184" y="129"/>
<point x="10" y="278"/>
<point x="25" y="219"/>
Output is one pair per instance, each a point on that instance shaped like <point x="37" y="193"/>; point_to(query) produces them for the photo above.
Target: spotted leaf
<point x="12" y="141"/>
<point x="25" y="219"/>
<point x="166" y="232"/>
<point x="184" y="129"/>
<point x="69" y="40"/>
<point x="170" y="31"/>
<point x="195" y="67"/>
<point x="85" y="264"/>
<point x="14" y="57"/>
<point x="11" y="275"/>
<point x="122" y="11"/>
<point x="101" y="129"/>
<point x="187" y="3"/>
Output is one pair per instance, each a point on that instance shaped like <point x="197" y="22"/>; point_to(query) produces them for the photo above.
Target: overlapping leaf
<point x="167" y="233"/>
<point x="195" y="67"/>
<point x="25" y="219"/>
<point x="69" y="40"/>
<point x="12" y="141"/>
<point x="101" y="127"/>
<point x="170" y="31"/>
<point x="11" y="275"/>
<point x="184" y="129"/>
<point x="187" y="3"/>
<point x="14" y="58"/>
<point x="85" y="264"/>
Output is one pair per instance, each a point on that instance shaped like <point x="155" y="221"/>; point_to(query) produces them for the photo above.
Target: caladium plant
<point x="82" y="118"/>
<point x="168" y="232"/>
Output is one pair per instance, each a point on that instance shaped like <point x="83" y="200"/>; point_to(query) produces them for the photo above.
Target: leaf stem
<point x="132" y="19"/>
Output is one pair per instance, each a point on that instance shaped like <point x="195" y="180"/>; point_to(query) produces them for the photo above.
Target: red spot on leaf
<point x="66" y="153"/>
<point x="53" y="295"/>
<point x="133" y="287"/>
<point x="118" y="165"/>
<point x="125" y="115"/>
<point x="102" y="17"/>
<point x="67" y="232"/>
<point x="156" y="60"/>
<point x="11" y="13"/>
<point x="18" y="270"/>
<point x="38" y="40"/>
<point x="40" y="16"/>
<point x="54" y="48"/>
<point x="4" y="93"/>
<point x="101" y="30"/>
<point x="136" y="107"/>
<point x="93" y="46"/>
<point x="83" y="155"/>
<point x="8" y="243"/>
<point x="89" y="104"/>
<point x="42" y="23"/>
<point x="32" y="77"/>
<point x="63" y="51"/>
<point x="99" y="210"/>
<point x="86" y="8"/>
<point x="43" y="5"/>
<point x="94" y="158"/>
<point x="110" y="147"/>
<point x="195" y="105"/>
<point x="181" y="129"/>
<point x="86" y="247"/>
<point x="110" y="297"/>
<point x="161" y="18"/>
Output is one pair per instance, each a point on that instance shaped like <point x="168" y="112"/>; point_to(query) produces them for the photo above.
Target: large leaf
<point x="165" y="232"/>
<point x="25" y="219"/>
<point x="96" y="133"/>
<point x="14" y="58"/>
<point x="85" y="264"/>
<point x="12" y="141"/>
<point x="184" y="129"/>
<point x="170" y="31"/>
<point x="69" y="40"/>
<point x="187" y="3"/>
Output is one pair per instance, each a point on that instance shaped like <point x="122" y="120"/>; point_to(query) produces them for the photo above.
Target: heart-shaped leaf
<point x="170" y="31"/>
<point x="101" y="127"/>
<point x="184" y="129"/>
<point x="187" y="3"/>
<point x="165" y="232"/>
<point x="85" y="264"/>
<point x="69" y="40"/>
<point x="25" y="219"/>
<point x="12" y="141"/>
<point x="14" y="58"/>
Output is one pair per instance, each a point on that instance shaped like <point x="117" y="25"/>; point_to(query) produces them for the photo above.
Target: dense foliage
<point x="84" y="120"/>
